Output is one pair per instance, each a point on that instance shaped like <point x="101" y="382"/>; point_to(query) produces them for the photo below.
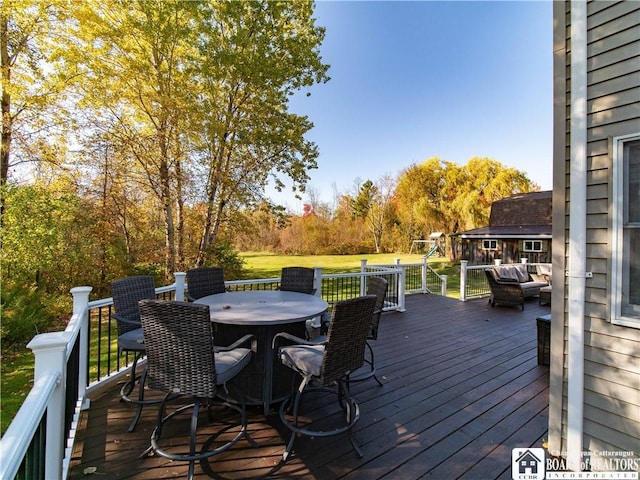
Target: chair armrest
<point x="508" y="281"/>
<point x="249" y="338"/>
<point x="539" y="278"/>
<point x="122" y="319"/>
<point x="293" y="339"/>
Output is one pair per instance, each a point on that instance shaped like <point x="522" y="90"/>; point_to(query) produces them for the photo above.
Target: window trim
<point x="617" y="228"/>
<point x="533" y="245"/>
<point x="491" y="241"/>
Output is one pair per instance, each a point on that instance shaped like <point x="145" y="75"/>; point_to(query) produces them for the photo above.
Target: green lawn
<point x="265" y="265"/>
<point x="16" y="371"/>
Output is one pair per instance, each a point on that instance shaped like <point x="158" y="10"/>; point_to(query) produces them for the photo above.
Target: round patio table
<point x="262" y="313"/>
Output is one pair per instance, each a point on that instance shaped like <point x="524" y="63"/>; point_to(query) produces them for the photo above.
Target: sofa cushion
<point x="503" y="272"/>
<point x="543" y="271"/>
<point x="532" y="289"/>
<point x="517" y="272"/>
<point x="521" y="271"/>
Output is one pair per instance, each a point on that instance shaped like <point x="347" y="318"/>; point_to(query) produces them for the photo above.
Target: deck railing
<point x="38" y="442"/>
<point x="473" y="282"/>
<point x="84" y="358"/>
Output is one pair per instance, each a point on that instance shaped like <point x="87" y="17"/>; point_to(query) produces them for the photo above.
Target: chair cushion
<point x="504" y="272"/>
<point x="303" y="358"/>
<point x="132" y="340"/>
<point x="229" y="364"/>
<point x="522" y="273"/>
<point x="518" y="273"/>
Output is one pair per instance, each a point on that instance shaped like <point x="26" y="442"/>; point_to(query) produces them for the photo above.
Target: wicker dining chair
<point x="375" y="286"/>
<point x="126" y="293"/>
<point x="204" y="281"/>
<point x="301" y="279"/>
<point x="297" y="279"/>
<point x="326" y="367"/>
<point x="181" y="362"/>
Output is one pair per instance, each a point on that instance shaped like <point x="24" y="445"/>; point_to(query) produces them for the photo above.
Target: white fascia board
<point x="532" y="236"/>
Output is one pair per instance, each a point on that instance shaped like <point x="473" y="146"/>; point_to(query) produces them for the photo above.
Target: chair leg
<point x="346" y="402"/>
<point x="192" y="456"/>
<point x="192" y="437"/>
<point x="158" y="430"/>
<point x="243" y="413"/>
<point x="296" y="405"/>
<point x="140" y="402"/>
<point x="372" y="369"/>
<point x="373" y="364"/>
<point x="352" y="412"/>
<point x="127" y="387"/>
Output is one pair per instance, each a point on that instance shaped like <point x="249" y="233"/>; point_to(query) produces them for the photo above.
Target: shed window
<point x="489" y="244"/>
<point x="625" y="287"/>
<point x="532" y="246"/>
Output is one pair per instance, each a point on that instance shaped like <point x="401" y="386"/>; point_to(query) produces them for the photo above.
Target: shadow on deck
<point x="462" y="388"/>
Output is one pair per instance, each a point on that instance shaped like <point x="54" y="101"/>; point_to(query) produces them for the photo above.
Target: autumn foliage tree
<point x="440" y="196"/>
<point x="193" y="97"/>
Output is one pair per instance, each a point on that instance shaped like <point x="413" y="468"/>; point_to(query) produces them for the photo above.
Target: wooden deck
<point x="462" y="388"/>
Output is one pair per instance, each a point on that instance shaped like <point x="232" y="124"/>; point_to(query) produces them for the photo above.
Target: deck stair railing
<point x="83" y="359"/>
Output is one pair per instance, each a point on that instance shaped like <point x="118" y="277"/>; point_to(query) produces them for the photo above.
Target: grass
<point x="265" y="265"/>
<point x="16" y="371"/>
<point x="17" y="368"/>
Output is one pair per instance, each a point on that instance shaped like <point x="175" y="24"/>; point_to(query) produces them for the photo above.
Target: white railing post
<point x="363" y="269"/>
<point x="524" y="260"/>
<point x="423" y="271"/>
<point x="316" y="322"/>
<point x="463" y="279"/>
<point x="81" y="308"/>
<point x="497" y="261"/>
<point x="317" y="281"/>
<point x="401" y="286"/>
<point x="443" y="285"/>
<point x="180" y="277"/>
<point x="51" y="357"/>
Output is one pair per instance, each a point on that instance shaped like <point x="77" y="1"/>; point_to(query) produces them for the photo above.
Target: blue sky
<point x="413" y="80"/>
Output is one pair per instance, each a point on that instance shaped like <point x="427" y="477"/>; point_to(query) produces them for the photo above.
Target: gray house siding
<point x="611" y="415"/>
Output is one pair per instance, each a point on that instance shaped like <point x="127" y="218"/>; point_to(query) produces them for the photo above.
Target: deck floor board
<point x="462" y="388"/>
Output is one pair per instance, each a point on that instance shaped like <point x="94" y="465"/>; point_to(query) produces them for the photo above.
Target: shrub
<point x="24" y="314"/>
<point x="223" y="254"/>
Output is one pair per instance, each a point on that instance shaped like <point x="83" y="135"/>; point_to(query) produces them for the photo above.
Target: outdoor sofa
<point x="511" y="284"/>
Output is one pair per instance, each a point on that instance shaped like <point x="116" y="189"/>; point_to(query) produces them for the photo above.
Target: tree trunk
<point x="5" y="146"/>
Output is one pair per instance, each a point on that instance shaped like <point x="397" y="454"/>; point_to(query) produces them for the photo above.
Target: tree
<point x="132" y="60"/>
<point x="254" y="56"/>
<point x="364" y="199"/>
<point x="47" y="237"/>
<point x="442" y="196"/>
<point x="31" y="107"/>
<point x="372" y="204"/>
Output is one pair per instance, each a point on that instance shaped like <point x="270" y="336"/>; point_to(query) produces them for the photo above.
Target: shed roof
<point x="523" y="209"/>
<point x="525" y="215"/>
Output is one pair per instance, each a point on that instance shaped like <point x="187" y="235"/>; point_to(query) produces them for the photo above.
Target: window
<point x="532" y="246"/>
<point x="489" y="244"/>
<point x="625" y="273"/>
